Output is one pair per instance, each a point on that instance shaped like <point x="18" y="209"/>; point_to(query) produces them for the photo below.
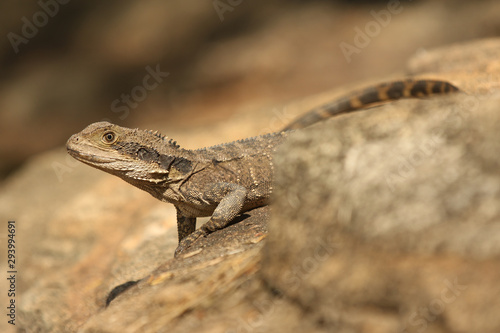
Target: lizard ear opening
<point x="109" y="137"/>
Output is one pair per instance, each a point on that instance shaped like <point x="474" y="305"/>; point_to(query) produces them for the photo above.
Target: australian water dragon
<point x="220" y="181"/>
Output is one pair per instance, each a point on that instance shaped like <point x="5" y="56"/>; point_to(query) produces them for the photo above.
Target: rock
<point x="97" y="232"/>
<point x="383" y="221"/>
<point x="389" y="221"/>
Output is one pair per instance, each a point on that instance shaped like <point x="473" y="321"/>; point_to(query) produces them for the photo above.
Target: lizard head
<point x="137" y="156"/>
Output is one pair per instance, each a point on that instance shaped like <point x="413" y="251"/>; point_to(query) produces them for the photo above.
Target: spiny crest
<point x="258" y="138"/>
<point x="171" y="142"/>
<point x="158" y="134"/>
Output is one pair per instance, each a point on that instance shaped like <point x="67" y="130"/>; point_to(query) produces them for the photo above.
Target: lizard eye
<point x="109" y="137"/>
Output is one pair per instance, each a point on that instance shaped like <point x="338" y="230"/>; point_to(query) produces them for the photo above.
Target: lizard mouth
<point x="86" y="153"/>
<point x="88" y="157"/>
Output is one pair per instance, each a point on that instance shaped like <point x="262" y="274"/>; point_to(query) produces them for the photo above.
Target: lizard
<point x="221" y="181"/>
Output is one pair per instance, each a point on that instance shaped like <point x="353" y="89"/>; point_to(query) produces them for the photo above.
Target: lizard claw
<point x="187" y="241"/>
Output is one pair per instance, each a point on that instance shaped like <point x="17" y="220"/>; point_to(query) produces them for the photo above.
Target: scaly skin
<point x="220" y="181"/>
<point x="384" y="92"/>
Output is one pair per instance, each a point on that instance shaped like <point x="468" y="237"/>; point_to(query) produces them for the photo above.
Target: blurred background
<point x="189" y="64"/>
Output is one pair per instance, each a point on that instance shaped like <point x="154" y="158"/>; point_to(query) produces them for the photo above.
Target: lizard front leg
<point x="185" y="225"/>
<point x="231" y="198"/>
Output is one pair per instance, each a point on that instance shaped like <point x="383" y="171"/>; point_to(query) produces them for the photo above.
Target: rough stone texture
<point x="387" y="223"/>
<point x="75" y="247"/>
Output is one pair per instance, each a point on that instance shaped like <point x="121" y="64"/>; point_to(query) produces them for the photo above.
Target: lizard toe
<point x="188" y="241"/>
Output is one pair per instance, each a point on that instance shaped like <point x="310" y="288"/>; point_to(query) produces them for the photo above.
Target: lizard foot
<point x="187" y="241"/>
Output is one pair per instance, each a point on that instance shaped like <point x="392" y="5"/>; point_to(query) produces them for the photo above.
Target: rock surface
<point x="389" y="220"/>
<point x="383" y="221"/>
<point x="394" y="219"/>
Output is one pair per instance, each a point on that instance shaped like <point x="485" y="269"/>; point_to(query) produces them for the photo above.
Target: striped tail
<point x="384" y="92"/>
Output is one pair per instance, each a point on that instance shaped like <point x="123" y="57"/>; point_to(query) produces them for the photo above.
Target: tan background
<point x="261" y="56"/>
<point x="82" y="232"/>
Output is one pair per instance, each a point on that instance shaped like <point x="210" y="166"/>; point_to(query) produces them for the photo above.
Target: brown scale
<point x="220" y="181"/>
<point x="380" y="93"/>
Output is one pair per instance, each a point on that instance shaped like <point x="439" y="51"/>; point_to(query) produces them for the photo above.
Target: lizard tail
<point x="384" y="92"/>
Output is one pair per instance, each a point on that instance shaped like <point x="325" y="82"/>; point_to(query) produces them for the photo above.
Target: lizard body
<point x="220" y="181"/>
